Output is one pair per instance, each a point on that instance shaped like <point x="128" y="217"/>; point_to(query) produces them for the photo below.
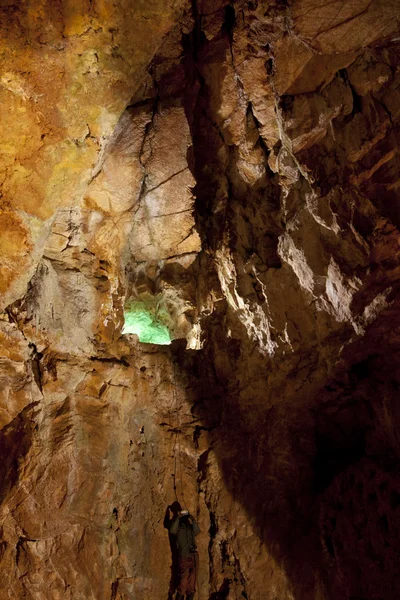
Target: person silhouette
<point x="173" y="584"/>
<point x="183" y="529"/>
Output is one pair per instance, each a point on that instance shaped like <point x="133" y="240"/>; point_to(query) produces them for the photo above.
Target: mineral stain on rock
<point x="220" y="179"/>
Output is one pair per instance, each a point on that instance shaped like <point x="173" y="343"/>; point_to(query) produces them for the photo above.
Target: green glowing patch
<point x="140" y="320"/>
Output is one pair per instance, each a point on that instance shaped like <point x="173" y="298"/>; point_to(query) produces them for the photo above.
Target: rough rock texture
<point x="68" y="70"/>
<point x="233" y="166"/>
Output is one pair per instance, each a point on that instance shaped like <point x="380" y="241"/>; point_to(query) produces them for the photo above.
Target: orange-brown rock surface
<point x="233" y="167"/>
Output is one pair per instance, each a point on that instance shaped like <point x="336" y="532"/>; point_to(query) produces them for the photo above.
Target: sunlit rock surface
<point x="229" y="173"/>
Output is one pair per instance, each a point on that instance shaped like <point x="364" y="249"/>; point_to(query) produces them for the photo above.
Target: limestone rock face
<point x="233" y="169"/>
<point x="68" y="71"/>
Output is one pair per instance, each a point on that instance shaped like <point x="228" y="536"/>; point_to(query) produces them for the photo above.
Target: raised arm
<point x="174" y="526"/>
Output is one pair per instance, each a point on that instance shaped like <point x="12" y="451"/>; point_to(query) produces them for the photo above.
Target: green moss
<point x="140" y="320"/>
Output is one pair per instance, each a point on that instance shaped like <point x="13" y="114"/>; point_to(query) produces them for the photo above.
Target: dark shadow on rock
<point x="223" y="591"/>
<point x="15" y="442"/>
<point x="286" y="463"/>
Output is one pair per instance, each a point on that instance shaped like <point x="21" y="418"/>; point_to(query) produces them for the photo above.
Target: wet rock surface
<point x="234" y="168"/>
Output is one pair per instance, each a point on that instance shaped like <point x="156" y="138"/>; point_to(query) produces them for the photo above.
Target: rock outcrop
<point x="232" y="168"/>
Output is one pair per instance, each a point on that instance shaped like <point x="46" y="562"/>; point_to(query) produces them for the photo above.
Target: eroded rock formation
<point x="233" y="167"/>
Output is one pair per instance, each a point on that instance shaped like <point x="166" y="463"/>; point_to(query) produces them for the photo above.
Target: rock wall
<point x="234" y="167"/>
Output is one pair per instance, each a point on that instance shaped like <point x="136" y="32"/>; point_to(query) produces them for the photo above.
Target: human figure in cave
<point x="173" y="584"/>
<point x="183" y="529"/>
